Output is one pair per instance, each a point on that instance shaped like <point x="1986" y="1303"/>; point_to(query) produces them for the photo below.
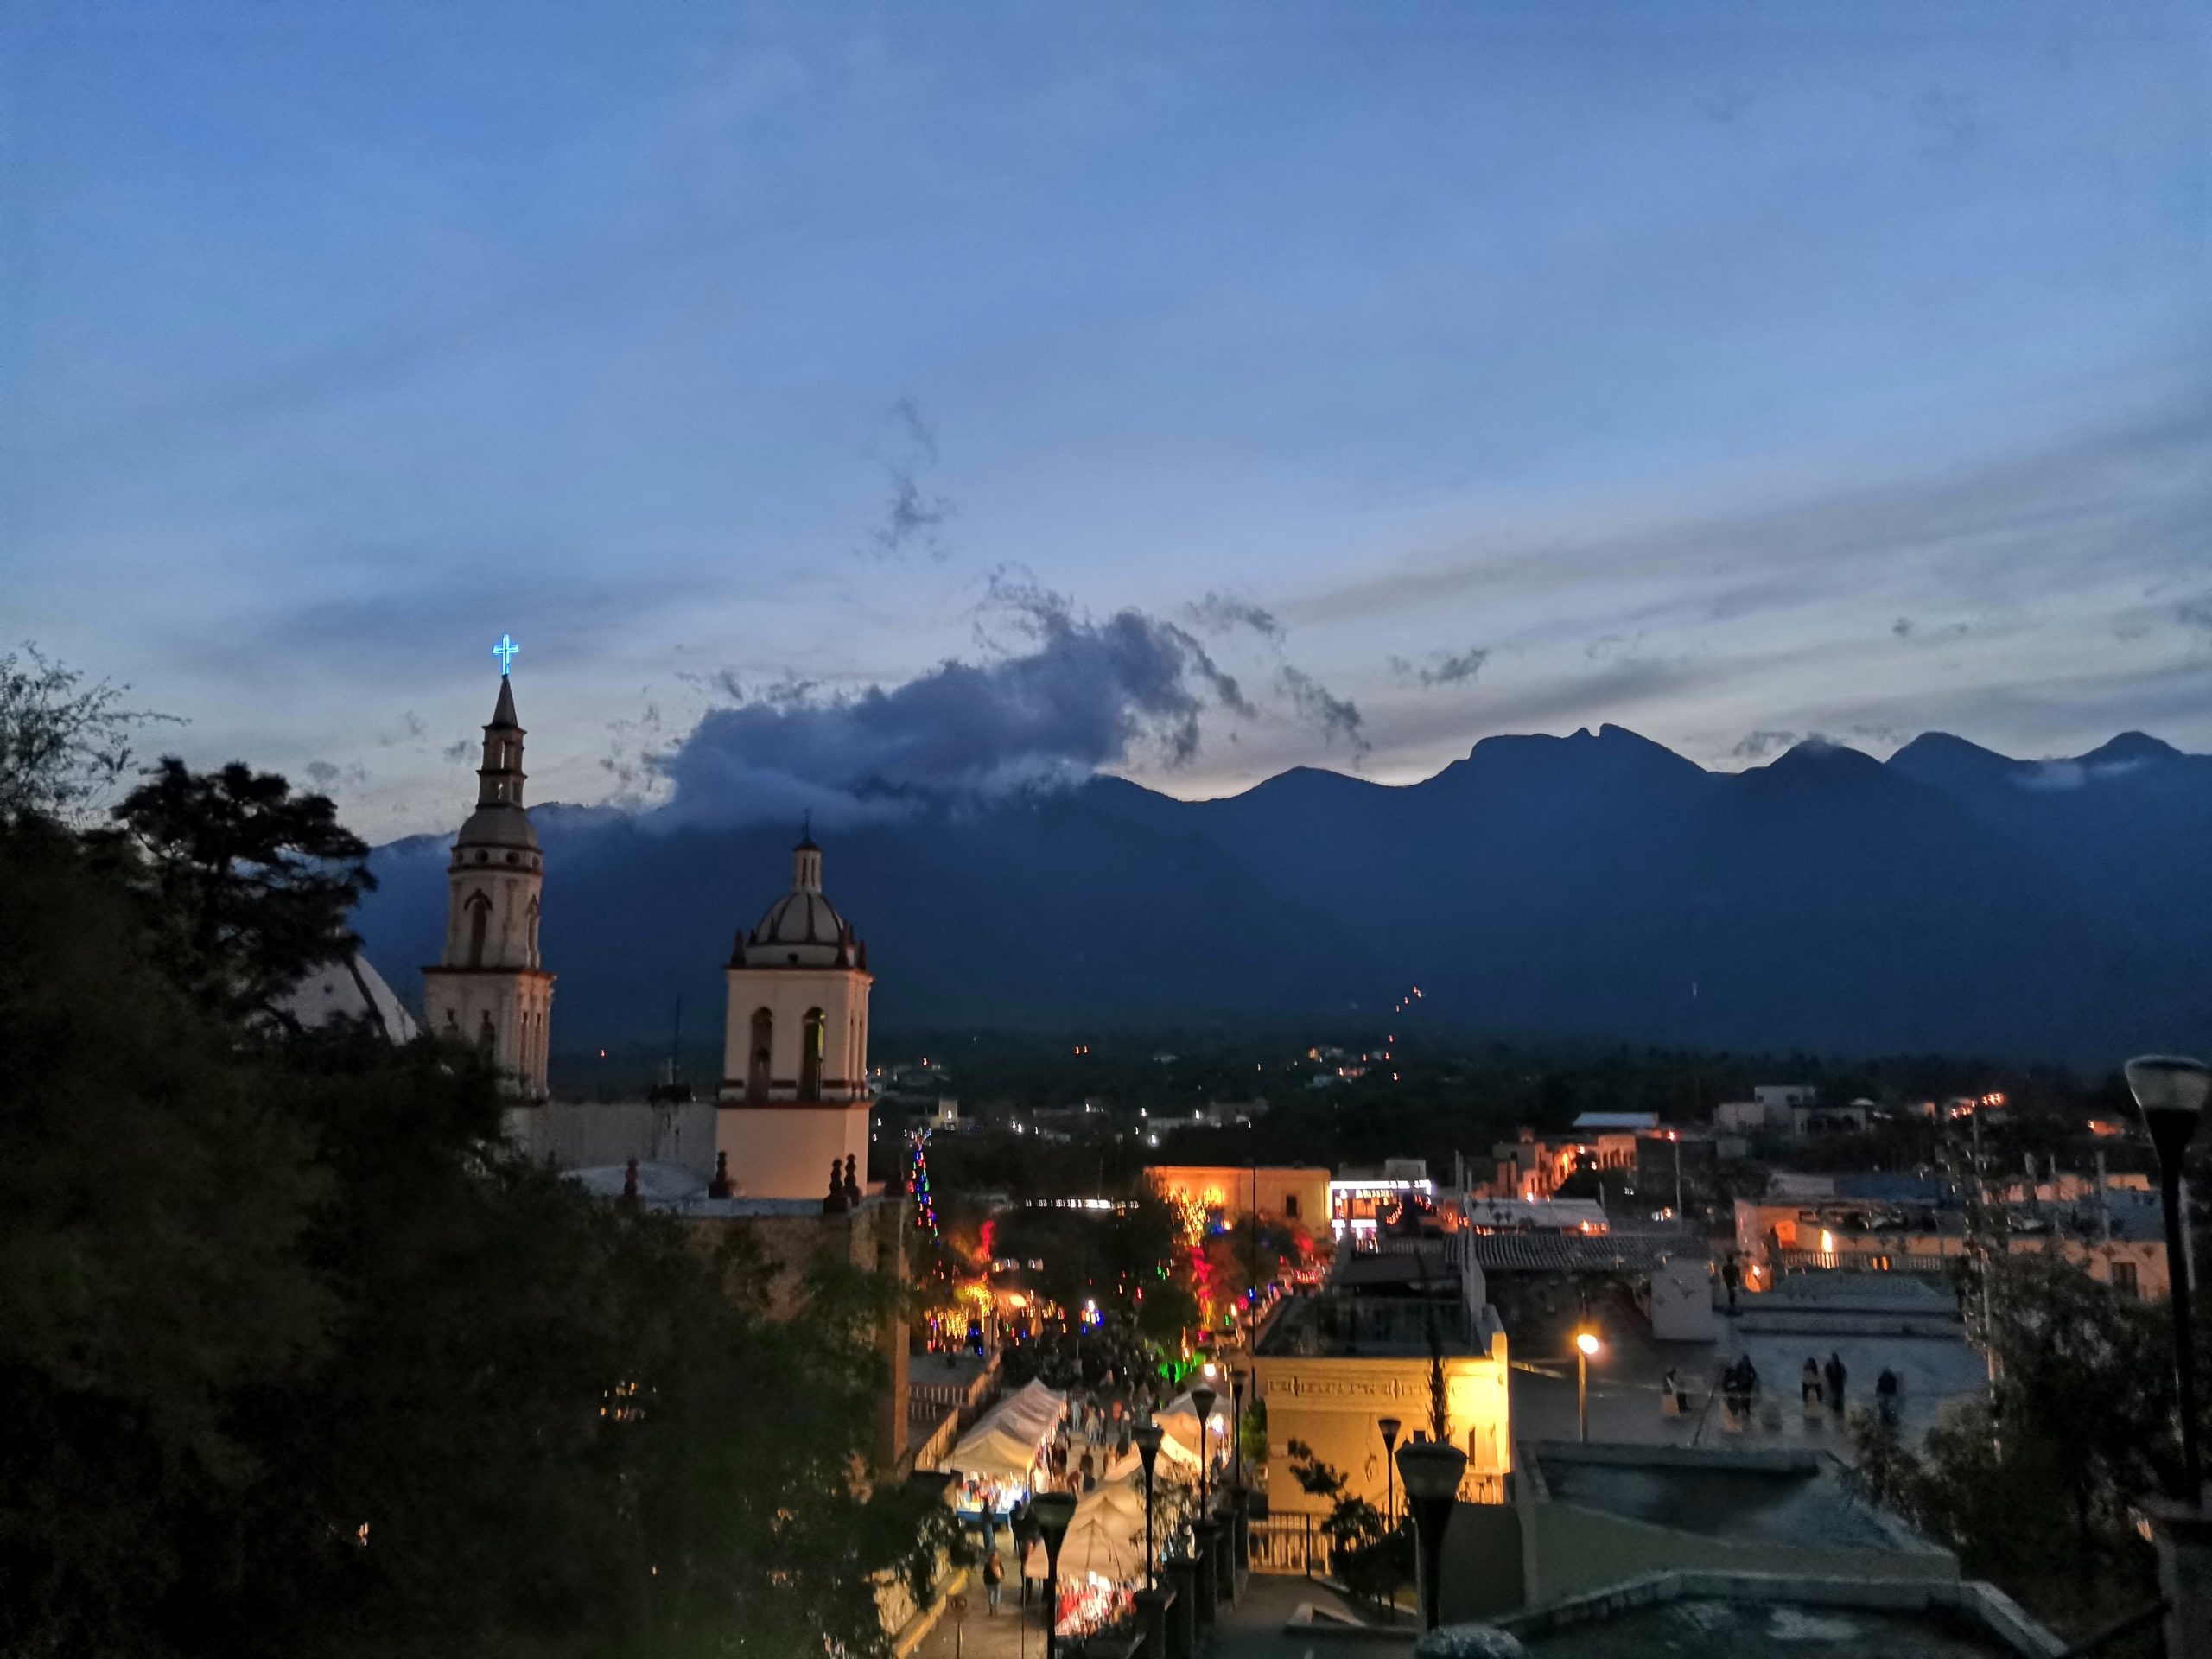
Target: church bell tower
<point x="794" y="1096"/>
<point x="490" y="988"/>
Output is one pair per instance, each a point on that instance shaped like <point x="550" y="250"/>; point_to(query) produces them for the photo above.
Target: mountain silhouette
<point x="1596" y="886"/>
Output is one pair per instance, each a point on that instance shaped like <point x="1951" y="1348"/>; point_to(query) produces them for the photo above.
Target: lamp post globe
<point x="1147" y="1439"/>
<point x="1052" y="1511"/>
<point x="1389" y="1426"/>
<point x="1431" y="1470"/>
<point x="2170" y="1090"/>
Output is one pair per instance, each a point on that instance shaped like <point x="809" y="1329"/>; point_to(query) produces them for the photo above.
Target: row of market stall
<point x="1006" y="1457"/>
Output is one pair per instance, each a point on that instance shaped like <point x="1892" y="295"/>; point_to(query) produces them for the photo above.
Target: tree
<point x="64" y="742"/>
<point x="251" y="883"/>
<point x="1368" y="1554"/>
<point x="151" y="1211"/>
<point x="2033" y="1486"/>
<point x="297" y="1358"/>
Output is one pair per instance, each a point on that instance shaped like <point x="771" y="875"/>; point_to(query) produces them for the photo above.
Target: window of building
<point x="480" y="917"/>
<point x="764" y="1035"/>
<point x="2123" y="1278"/>
<point x="1290" y="1206"/>
<point x="810" y="1058"/>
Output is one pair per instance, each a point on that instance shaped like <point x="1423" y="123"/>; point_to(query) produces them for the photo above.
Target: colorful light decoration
<point x="924" y="1206"/>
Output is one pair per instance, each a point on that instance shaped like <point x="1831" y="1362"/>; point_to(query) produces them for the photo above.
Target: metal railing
<point x="1288" y="1544"/>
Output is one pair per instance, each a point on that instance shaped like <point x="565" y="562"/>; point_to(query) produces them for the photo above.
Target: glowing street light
<point x="1585" y="1350"/>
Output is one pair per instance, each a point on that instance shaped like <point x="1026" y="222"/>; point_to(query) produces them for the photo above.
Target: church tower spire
<point x="490" y="988"/>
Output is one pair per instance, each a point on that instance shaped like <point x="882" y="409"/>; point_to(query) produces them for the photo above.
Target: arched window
<point x="756" y="1073"/>
<point x="533" y="933"/>
<point x="810" y="1056"/>
<point x="480" y="918"/>
<point x="485" y="1035"/>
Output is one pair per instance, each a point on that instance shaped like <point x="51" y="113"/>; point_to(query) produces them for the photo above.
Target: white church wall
<point x="577" y="1136"/>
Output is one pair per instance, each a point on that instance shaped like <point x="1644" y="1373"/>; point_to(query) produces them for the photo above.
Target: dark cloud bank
<point x="1076" y="696"/>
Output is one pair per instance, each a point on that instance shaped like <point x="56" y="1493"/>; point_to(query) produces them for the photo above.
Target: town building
<point x="1919" y="1224"/>
<point x="1272" y="1192"/>
<point x="1331" y="1368"/>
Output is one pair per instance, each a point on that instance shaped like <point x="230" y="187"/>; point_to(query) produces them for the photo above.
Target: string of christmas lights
<point x="918" y="1179"/>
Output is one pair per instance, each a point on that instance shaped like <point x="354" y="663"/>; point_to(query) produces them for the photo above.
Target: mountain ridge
<point x="1949" y="898"/>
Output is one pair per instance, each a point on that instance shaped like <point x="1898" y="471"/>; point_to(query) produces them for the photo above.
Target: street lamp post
<point x="1237" y="1375"/>
<point x="1390" y="1425"/>
<point x="1585" y="1349"/>
<point x="1052" y="1511"/>
<point x="2170" y="1090"/>
<point x="1432" y="1469"/>
<point x="1203" y="1397"/>
<point x="1147" y="1439"/>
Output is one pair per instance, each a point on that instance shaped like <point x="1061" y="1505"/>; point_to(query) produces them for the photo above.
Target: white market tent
<point x="1180" y="1424"/>
<point x="1006" y="1440"/>
<point x="1176" y="1461"/>
<point x="1105" y="1536"/>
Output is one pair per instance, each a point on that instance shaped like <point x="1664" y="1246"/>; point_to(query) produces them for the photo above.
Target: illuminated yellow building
<point x="1274" y="1192"/>
<point x="1331" y="1368"/>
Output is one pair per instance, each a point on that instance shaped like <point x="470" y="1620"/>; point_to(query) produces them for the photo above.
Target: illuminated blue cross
<point x="504" y="650"/>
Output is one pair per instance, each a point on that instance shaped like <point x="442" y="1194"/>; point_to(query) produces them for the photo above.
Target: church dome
<point x="802" y="928"/>
<point x="497" y="824"/>
<point x="801" y="918"/>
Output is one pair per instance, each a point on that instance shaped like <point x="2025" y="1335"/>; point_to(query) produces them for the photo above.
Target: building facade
<point x="794" y="1096"/>
<point x="490" y="986"/>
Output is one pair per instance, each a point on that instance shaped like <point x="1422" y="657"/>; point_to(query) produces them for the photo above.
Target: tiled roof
<point x="1577" y="1252"/>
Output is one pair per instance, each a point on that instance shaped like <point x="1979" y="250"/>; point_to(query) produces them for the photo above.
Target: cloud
<point x="913" y="519"/>
<point x="1085" y="694"/>
<point x="459" y="749"/>
<point x="1220" y="612"/>
<point x="1757" y="745"/>
<point x="323" y="774"/>
<point x="1901" y="627"/>
<point x="412" y="731"/>
<point x="1450" y="668"/>
<point x="2196" y="613"/>
<point x="1336" y="716"/>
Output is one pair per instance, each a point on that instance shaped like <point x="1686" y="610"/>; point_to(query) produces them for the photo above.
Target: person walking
<point x="993" y="1576"/>
<point x="1671" y="1386"/>
<point x="1886" y="1396"/>
<point x="1809" y="1383"/>
<point x="1835" y="1380"/>
<point x="1731" y="1275"/>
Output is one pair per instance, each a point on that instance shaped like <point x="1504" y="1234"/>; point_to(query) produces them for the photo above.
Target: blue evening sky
<point x="1730" y="372"/>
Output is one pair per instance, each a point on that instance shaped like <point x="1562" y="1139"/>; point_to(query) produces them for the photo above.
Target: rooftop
<point x="1771" y="1495"/>
<point x="1751" y="1630"/>
<point x="1617" y="1121"/>
<point x="1769" y="1615"/>
<point x="1578" y="1252"/>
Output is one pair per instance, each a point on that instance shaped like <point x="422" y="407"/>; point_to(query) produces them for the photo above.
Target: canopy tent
<point x="1105" y="1536"/>
<point x="1179" y="1423"/>
<point x="1007" y="1439"/>
<point x="1176" y="1460"/>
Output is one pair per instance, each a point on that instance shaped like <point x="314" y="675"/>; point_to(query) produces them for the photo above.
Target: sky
<point x="833" y="397"/>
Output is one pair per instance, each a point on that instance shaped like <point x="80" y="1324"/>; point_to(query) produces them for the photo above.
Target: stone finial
<point x="630" y="1179"/>
<point x="835" y="1204"/>
<point x="852" y="1187"/>
<point x="719" y="1187"/>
